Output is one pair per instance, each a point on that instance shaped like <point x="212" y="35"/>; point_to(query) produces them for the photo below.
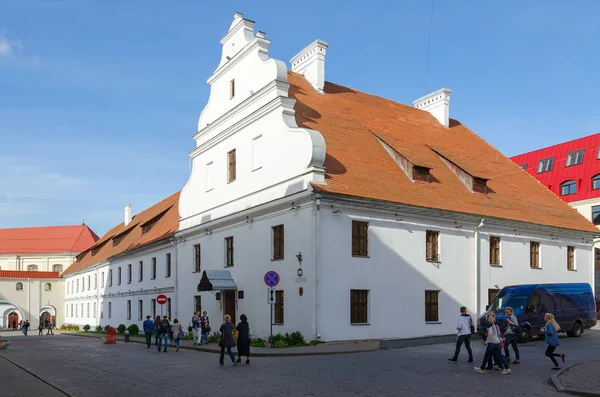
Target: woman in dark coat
<point x="243" y="342"/>
<point x="227" y="341"/>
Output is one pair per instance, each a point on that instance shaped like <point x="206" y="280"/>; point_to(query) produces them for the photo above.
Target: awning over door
<point x="216" y="280"/>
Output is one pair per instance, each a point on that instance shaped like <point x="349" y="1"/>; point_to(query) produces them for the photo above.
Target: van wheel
<point x="576" y="332"/>
<point x="524" y="336"/>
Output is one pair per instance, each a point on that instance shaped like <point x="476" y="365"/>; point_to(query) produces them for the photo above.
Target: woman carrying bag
<point x="178" y="333"/>
<point x="226" y="341"/>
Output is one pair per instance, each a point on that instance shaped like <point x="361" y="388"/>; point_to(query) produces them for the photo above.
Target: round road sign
<point x="271" y="278"/>
<point x="161" y="299"/>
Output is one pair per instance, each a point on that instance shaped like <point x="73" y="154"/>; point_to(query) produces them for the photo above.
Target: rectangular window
<point x="209" y="177"/>
<point x="420" y="174"/>
<point x="492" y="293"/>
<point x="153" y="304"/>
<point x="524" y="166"/>
<point x="431" y="306"/>
<point x="278" y="242"/>
<point x="89" y="282"/>
<point x="278" y="314"/>
<point x="545" y="165"/>
<point x="76" y="310"/>
<point x="598" y="155"/>
<point x="110" y="278"/>
<point x="359" y="306"/>
<point x="570" y="258"/>
<point x="197" y="262"/>
<point x="141" y="265"/>
<point x="129" y="274"/>
<point x="197" y="304"/>
<point x="231" y="166"/>
<point x="479" y="185"/>
<point x="360" y="238"/>
<point x="153" y="268"/>
<point x="102" y="310"/>
<point x="231" y="89"/>
<point x="432" y="246"/>
<point x="119" y="276"/>
<point x="140" y="310"/>
<point x="574" y="158"/>
<point x="534" y="255"/>
<point x="494" y="250"/>
<point x="77" y="286"/>
<point x="596" y="214"/>
<point x="88" y="310"/>
<point x="94" y="310"/>
<point x="168" y="265"/>
<point x="257" y="152"/>
<point x="169" y="308"/>
<point x="109" y="310"/>
<point x="228" y="251"/>
<point x="95" y="281"/>
<point x="72" y="315"/>
<point x="128" y="310"/>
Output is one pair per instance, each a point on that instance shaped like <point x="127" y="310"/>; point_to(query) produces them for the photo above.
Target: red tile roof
<point x="166" y="215"/>
<point x="357" y="164"/>
<point x="27" y="274"/>
<point x="46" y="240"/>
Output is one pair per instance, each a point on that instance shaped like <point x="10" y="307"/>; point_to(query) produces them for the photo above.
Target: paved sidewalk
<point x="580" y="379"/>
<point x="321" y="349"/>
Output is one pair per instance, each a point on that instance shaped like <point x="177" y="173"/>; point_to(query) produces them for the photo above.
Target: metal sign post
<point x="161" y="300"/>
<point x="271" y="279"/>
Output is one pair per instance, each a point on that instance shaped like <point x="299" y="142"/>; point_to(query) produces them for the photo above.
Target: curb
<point x="201" y="349"/>
<point x="555" y="381"/>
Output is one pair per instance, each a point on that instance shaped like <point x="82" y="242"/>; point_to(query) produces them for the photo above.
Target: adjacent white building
<point x="381" y="219"/>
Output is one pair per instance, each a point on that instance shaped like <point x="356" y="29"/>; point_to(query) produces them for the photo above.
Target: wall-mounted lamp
<point x="299" y="272"/>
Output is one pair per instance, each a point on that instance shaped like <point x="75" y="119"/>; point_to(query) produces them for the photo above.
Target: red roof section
<point x="46" y="240"/>
<point x="357" y="165"/>
<point x="27" y="274"/>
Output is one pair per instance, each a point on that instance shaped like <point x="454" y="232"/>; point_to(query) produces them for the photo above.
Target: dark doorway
<point x="229" y="304"/>
<point x="45" y="318"/>
<point x="13" y="320"/>
<point x="492" y="294"/>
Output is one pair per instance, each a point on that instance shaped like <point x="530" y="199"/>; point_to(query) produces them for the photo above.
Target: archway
<point x="9" y="313"/>
<point x="47" y="313"/>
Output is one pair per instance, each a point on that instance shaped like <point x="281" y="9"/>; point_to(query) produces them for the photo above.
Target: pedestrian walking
<point x="205" y="327"/>
<point x="492" y="342"/>
<point x="243" y="341"/>
<point x="465" y="327"/>
<point x="551" y="330"/>
<point x="196" y="329"/>
<point x="156" y="333"/>
<point x="148" y="330"/>
<point x="20" y="325"/>
<point x="40" y="329"/>
<point x="226" y="341"/>
<point x="49" y="331"/>
<point x="26" y="327"/>
<point x="511" y="334"/>
<point x="178" y="334"/>
<point x="164" y="327"/>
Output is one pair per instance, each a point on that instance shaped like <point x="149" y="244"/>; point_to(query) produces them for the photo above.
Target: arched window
<point x="48" y="287"/>
<point x="596" y="182"/>
<point x="19" y="286"/>
<point x="568" y="187"/>
<point x="32" y="268"/>
<point x="57" y="268"/>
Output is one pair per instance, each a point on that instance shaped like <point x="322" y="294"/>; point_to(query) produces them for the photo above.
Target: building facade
<point x="31" y="263"/>
<point x="381" y="219"/>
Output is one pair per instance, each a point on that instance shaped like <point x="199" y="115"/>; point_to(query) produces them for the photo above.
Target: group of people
<point x="163" y="331"/>
<point x="25" y="325"/>
<point x="495" y="340"/>
<point x="200" y="328"/>
<point x="47" y="325"/>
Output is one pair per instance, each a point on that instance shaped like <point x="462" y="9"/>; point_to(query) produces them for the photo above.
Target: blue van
<point x="573" y="307"/>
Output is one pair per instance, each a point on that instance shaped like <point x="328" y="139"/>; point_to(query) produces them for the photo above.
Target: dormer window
<point x="420" y="174"/>
<point x="574" y="158"/>
<point x="476" y="184"/>
<point x="117" y="240"/>
<point x="231" y="89"/>
<point x="479" y="185"/>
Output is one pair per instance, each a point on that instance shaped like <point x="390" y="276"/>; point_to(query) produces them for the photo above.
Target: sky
<point x="99" y="99"/>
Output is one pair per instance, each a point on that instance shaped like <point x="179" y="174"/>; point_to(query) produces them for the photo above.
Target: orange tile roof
<point x="46" y="240"/>
<point x="27" y="274"/>
<point x="132" y="237"/>
<point x="357" y="165"/>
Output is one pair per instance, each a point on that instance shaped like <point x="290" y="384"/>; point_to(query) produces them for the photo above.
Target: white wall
<point x="584" y="207"/>
<point x="29" y="302"/>
<point x="43" y="262"/>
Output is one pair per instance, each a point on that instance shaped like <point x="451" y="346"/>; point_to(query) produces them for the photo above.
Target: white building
<point x="31" y="262"/>
<point x="400" y="215"/>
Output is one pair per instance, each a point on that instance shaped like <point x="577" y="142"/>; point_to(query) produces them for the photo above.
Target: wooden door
<point x="13" y="320"/>
<point x="229" y="305"/>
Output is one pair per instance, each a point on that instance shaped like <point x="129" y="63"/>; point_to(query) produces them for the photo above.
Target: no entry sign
<point x="161" y="299"/>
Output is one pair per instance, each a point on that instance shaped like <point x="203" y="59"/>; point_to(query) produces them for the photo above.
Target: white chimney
<point x="437" y="103"/>
<point x="127" y="214"/>
<point x="310" y="62"/>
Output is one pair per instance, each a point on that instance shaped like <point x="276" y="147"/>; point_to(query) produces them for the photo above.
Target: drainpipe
<point x="176" y="275"/>
<point x="477" y="259"/>
<point x="317" y="267"/>
<point x="29" y="298"/>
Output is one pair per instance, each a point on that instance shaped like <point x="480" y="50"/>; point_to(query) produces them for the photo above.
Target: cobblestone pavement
<point x="584" y="377"/>
<point x="84" y="366"/>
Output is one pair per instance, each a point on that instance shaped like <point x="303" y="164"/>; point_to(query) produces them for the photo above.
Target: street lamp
<point x="299" y="272"/>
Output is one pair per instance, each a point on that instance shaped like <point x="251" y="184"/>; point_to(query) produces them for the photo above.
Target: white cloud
<point x="7" y="47"/>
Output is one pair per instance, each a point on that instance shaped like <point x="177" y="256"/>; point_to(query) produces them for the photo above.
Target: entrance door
<point x="13" y="320"/>
<point x="45" y="317"/>
<point x="229" y="305"/>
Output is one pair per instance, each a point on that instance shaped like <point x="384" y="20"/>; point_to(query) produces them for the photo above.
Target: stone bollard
<point x="126" y="336"/>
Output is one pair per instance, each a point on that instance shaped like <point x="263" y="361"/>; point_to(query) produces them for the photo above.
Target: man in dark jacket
<point x="164" y="327"/>
<point x="148" y="330"/>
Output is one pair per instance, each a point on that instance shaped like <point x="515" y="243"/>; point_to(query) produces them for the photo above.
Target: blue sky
<point x="99" y="99"/>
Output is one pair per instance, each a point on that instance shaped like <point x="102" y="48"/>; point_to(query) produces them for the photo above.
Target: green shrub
<point x="99" y="328"/>
<point x="188" y="336"/>
<point x="258" y="343"/>
<point x="133" y="329"/>
<point x="76" y="328"/>
<point x="273" y="339"/>
<point x="295" y="339"/>
<point x="69" y="327"/>
<point x="315" y="342"/>
<point x="106" y="328"/>
<point x="214" y="338"/>
<point x="86" y="327"/>
<point x="281" y="344"/>
<point x="121" y="328"/>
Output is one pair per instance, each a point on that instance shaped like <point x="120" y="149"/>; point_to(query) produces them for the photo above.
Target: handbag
<point x="207" y="329"/>
<point x="190" y="328"/>
<point x="181" y="334"/>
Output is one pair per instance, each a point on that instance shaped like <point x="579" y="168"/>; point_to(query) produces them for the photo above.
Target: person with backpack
<point x="492" y="342"/>
<point x="465" y="327"/>
<point x="512" y="332"/>
<point x="148" y="330"/>
<point x="164" y="327"/>
<point x="551" y="330"/>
